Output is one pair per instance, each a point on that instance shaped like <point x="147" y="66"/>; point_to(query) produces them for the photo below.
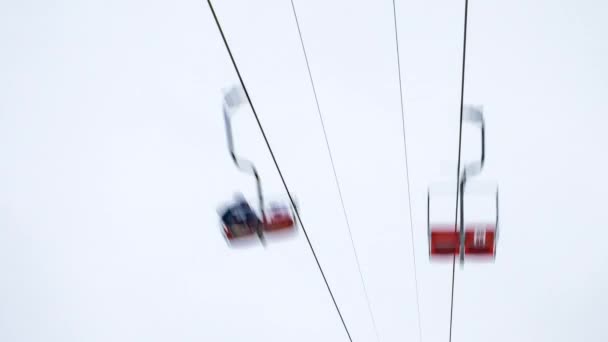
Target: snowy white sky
<point x="114" y="160"/>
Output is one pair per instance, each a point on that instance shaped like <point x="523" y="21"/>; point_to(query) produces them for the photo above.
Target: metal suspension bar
<point x="474" y="115"/>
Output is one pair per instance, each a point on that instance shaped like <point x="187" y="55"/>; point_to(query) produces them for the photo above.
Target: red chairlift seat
<point x="479" y="240"/>
<point x="242" y="223"/>
<point x="480" y="236"/>
<point x="279" y="217"/>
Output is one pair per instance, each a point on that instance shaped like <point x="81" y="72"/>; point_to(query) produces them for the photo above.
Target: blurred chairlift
<point x="239" y="220"/>
<point x="479" y="237"/>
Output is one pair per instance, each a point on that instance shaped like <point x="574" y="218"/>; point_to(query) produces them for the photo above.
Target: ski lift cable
<point x="312" y="83"/>
<point x="464" y="54"/>
<point x="407" y="173"/>
<point x="278" y="168"/>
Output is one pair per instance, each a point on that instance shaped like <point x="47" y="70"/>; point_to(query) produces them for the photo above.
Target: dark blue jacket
<point x="240" y="213"/>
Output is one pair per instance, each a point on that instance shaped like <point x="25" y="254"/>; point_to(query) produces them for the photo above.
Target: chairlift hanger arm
<point x="244" y="165"/>
<point x="472" y="114"/>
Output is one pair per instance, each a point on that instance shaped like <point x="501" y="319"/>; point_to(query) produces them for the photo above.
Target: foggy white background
<point x="113" y="161"/>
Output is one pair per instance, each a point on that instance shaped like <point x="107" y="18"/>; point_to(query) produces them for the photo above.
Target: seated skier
<point x="239" y="218"/>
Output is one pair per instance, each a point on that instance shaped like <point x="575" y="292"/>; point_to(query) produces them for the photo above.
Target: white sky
<point x="114" y="160"/>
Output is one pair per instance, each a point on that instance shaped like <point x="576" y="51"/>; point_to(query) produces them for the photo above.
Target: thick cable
<point x="464" y="54"/>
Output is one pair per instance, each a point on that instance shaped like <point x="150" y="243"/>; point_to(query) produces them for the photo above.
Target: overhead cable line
<point x="407" y="172"/>
<point x="278" y="169"/>
<point x="312" y="83"/>
<point x="464" y="54"/>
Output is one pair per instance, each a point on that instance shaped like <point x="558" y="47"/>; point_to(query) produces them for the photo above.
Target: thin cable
<point x="407" y="172"/>
<point x="464" y="54"/>
<point x="278" y="169"/>
<point x="312" y="83"/>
